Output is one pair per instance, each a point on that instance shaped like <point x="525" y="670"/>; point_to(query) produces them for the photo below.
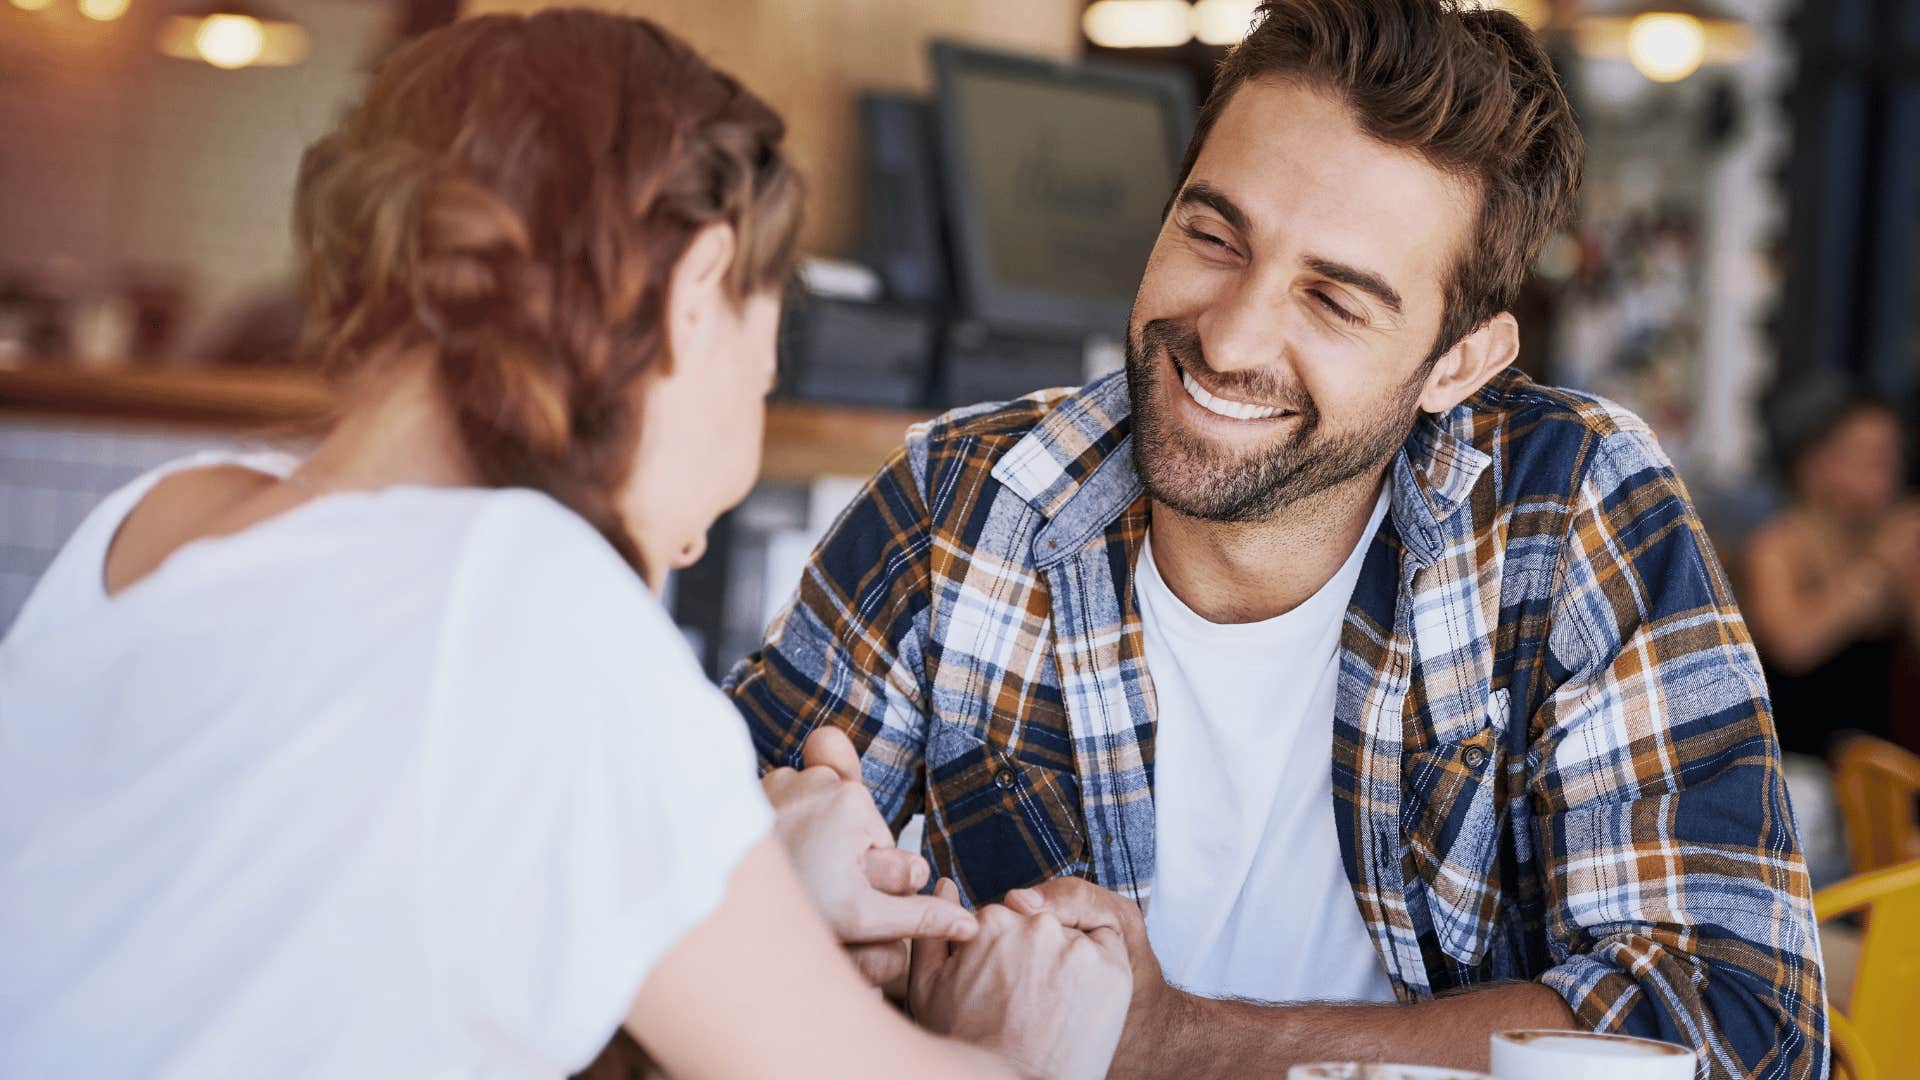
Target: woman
<point x="1833" y="582"/>
<point x="387" y="762"/>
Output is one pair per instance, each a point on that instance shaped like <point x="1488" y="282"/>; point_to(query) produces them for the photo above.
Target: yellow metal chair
<point x="1877" y="784"/>
<point x="1880" y="1036"/>
<point x="1850" y="1057"/>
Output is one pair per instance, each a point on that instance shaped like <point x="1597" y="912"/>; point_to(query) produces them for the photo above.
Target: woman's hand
<point x="759" y="989"/>
<point x="1896" y="546"/>
<point x="867" y="888"/>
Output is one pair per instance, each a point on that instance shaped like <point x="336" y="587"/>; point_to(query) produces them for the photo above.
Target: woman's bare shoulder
<point x="1784" y="534"/>
<point x="188" y="505"/>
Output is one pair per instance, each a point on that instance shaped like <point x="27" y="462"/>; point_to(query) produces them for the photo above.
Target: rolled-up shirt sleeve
<point x="1679" y="901"/>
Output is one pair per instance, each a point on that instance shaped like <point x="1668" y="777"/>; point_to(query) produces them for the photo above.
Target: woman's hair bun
<point x="512" y="195"/>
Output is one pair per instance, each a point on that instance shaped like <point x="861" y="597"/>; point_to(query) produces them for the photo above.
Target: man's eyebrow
<point x="1205" y="194"/>
<point x="1365" y="280"/>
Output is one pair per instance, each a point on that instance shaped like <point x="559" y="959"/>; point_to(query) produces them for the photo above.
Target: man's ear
<point x="1467" y="366"/>
<point x="695" y="288"/>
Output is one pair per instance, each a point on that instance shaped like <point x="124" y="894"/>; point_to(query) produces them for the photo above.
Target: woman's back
<point x="392" y="781"/>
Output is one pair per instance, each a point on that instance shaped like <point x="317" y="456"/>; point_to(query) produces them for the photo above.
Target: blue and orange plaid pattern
<point x="1553" y="754"/>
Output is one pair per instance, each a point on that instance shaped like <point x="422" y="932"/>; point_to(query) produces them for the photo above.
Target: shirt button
<point x="1003" y="779"/>
<point x="1109" y="838"/>
<point x="1474" y="757"/>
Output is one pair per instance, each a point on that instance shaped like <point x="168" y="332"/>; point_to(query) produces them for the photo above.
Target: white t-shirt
<point x="1249" y="897"/>
<point x="421" y="782"/>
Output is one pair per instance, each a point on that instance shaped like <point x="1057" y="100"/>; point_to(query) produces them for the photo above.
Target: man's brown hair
<point x="1469" y="90"/>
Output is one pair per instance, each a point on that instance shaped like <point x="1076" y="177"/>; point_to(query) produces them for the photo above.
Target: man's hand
<point x="1049" y="999"/>
<point x="1082" y="905"/>
<point x="1171" y="1033"/>
<point x="864" y="886"/>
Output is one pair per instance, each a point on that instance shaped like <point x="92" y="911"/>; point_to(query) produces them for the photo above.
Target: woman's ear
<point x="696" y="288"/>
<point x="1467" y="366"/>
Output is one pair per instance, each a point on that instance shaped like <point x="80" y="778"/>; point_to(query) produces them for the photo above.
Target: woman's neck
<point x="396" y="429"/>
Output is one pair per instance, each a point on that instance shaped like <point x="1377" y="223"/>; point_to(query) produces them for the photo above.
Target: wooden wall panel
<point x="810" y="58"/>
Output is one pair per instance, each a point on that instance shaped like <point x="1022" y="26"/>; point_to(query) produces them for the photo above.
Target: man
<point x="1347" y="664"/>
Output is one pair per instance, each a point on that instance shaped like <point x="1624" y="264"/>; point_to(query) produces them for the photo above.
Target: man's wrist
<point x="1156" y="1027"/>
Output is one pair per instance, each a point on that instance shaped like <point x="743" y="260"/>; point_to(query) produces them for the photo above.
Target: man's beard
<point x="1187" y="472"/>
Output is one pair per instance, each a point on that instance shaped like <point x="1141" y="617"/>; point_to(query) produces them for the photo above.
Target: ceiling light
<point x="233" y="35"/>
<point x="229" y="41"/>
<point x="1666" y="40"/>
<point x="104" y="10"/>
<point x="1138" y="24"/>
<point x="1666" y="47"/>
<point x="1223" y="22"/>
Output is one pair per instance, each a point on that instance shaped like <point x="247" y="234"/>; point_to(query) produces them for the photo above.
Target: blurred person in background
<point x="1833" y="581"/>
<point x="388" y="761"/>
<point x="1831" y="588"/>
<point x="1386" y="698"/>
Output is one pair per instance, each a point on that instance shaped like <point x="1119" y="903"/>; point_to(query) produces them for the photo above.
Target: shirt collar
<point x="1433" y="475"/>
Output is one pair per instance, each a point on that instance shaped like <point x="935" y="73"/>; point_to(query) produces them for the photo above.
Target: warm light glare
<point x="33" y="5"/>
<point x="104" y="10"/>
<point x="1222" y="22"/>
<point x="229" y="41"/>
<point x="1138" y="24"/>
<point x="1666" y="47"/>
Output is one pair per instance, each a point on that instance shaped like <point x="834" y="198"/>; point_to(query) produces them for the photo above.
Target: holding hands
<point x="1047" y="992"/>
<point x="1085" y="906"/>
<point x="1047" y="997"/>
<point x="868" y="889"/>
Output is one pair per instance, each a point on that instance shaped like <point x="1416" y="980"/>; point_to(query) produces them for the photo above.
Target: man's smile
<point x="1216" y="407"/>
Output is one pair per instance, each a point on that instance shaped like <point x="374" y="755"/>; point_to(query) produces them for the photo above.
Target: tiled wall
<point x="118" y="161"/>
<point x="53" y="472"/>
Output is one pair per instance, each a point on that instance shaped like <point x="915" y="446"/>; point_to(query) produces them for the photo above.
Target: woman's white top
<point x="420" y="782"/>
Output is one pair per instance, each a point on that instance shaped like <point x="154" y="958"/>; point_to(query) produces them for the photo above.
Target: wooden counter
<point x="803" y="440"/>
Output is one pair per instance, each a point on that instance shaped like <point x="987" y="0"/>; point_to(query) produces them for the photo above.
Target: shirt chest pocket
<point x="1451" y="816"/>
<point x="997" y="818"/>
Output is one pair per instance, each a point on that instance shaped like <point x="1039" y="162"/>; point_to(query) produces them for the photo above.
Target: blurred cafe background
<point x="986" y="178"/>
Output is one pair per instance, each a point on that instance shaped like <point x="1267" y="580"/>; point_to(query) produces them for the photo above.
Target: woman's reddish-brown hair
<point x="512" y="197"/>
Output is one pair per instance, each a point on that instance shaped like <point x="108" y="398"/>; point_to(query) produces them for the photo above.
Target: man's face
<point x="1279" y="341"/>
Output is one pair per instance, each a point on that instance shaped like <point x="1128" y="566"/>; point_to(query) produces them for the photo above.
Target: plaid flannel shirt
<point x="1553" y="753"/>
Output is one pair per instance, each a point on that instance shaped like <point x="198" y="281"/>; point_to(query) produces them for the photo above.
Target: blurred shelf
<point x="803" y="441"/>
<point x="227" y="399"/>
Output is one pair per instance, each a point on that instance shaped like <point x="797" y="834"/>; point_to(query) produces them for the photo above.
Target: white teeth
<point x="1233" y="410"/>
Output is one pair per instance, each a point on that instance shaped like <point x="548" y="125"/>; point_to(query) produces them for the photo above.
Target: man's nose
<point x="1246" y="329"/>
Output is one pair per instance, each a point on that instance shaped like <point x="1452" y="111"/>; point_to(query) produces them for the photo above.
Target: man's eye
<point x="1336" y="310"/>
<point x="1208" y="238"/>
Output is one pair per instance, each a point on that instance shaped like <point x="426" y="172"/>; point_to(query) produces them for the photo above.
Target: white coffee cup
<point x="1585" y="1055"/>
<point x="1355" y="1070"/>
